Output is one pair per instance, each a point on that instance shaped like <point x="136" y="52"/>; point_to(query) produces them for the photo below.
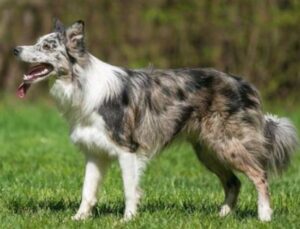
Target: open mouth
<point x="35" y="72"/>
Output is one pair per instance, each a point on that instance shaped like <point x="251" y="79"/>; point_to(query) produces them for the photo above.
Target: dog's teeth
<point x="43" y="72"/>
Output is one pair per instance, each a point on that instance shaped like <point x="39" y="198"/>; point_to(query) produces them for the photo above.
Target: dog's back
<point x="155" y="106"/>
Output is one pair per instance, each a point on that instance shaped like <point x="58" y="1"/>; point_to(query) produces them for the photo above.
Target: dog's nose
<point x="17" y="51"/>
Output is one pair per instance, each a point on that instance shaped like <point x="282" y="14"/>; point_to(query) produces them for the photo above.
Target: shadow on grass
<point x="184" y="207"/>
<point x="117" y="208"/>
<point x="114" y="208"/>
<point x="242" y="214"/>
<point x="32" y="206"/>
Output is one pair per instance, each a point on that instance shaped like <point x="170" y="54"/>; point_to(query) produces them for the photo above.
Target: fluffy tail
<point x="282" y="142"/>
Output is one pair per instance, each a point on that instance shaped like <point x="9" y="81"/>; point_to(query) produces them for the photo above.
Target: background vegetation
<point x="256" y="39"/>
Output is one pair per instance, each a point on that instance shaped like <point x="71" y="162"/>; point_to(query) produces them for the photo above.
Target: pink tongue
<point x="22" y="89"/>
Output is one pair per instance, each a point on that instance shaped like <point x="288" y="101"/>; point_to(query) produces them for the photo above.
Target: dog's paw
<point x="265" y="214"/>
<point x="81" y="216"/>
<point x="128" y="215"/>
<point x="265" y="217"/>
<point x="225" y="210"/>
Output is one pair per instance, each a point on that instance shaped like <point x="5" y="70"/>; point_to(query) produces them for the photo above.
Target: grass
<point x="41" y="174"/>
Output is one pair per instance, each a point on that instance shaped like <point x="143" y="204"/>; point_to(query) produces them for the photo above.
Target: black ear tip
<point x="80" y="22"/>
<point x="58" y="26"/>
<point x="57" y="23"/>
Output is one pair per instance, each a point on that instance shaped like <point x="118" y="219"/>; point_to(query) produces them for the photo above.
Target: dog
<point x="132" y="114"/>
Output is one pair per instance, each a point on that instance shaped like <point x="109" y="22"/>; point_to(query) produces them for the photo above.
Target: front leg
<point x="94" y="172"/>
<point x="132" y="167"/>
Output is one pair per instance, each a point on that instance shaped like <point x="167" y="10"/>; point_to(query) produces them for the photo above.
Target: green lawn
<point x="41" y="175"/>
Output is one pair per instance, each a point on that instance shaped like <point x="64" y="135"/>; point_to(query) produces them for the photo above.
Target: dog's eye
<point x="46" y="47"/>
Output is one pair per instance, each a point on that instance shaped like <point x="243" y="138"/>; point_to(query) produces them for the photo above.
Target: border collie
<point x="132" y="114"/>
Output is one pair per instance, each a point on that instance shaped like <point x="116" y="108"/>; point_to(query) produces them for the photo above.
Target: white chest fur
<point x="91" y="135"/>
<point x="78" y="100"/>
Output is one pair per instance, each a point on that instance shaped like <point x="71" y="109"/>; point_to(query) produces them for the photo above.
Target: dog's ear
<point x="59" y="28"/>
<point x="75" y="39"/>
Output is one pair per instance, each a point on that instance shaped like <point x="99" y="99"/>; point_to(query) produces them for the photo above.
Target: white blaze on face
<point x="47" y="56"/>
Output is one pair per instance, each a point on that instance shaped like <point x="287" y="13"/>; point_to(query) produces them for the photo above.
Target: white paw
<point x="264" y="214"/>
<point x="128" y="215"/>
<point x="225" y="210"/>
<point x="81" y="216"/>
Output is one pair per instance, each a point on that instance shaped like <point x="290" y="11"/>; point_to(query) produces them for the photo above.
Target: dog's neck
<point x="89" y="86"/>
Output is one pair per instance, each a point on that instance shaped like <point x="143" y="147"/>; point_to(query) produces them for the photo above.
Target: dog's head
<point x="53" y="55"/>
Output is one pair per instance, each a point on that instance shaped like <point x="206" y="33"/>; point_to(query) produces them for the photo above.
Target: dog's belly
<point x="93" y="137"/>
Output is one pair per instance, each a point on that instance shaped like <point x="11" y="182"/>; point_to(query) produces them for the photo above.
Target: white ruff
<point x="98" y="82"/>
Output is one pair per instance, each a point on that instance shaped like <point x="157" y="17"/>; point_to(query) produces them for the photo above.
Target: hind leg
<point x="259" y="179"/>
<point x="230" y="182"/>
<point x="231" y="185"/>
<point x="245" y="157"/>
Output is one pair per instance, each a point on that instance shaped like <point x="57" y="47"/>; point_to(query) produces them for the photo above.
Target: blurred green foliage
<point x="256" y="39"/>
